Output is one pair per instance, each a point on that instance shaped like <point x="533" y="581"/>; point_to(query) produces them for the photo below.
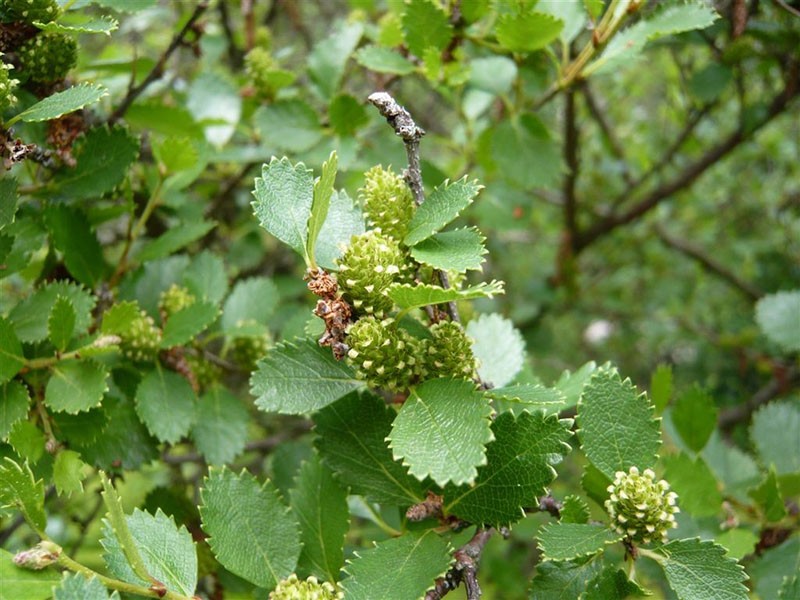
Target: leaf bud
<point x="40" y="556"/>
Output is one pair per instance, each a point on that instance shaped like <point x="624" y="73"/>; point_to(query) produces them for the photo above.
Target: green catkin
<point x="142" y="340"/>
<point x="640" y="507"/>
<point x="29" y="11"/>
<point x="174" y="299"/>
<point x="449" y="353"/>
<point x="384" y="355"/>
<point x="48" y="57"/>
<point x="387" y="202"/>
<point x="7" y="87"/>
<point x="371" y="263"/>
<point x="293" y="588"/>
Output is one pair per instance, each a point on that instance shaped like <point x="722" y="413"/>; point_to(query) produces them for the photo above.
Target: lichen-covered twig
<point x="411" y="134"/>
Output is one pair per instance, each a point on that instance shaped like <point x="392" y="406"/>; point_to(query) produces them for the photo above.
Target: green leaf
<point x="613" y="584"/>
<point x="574" y="510"/>
<point x="775" y="430"/>
<point x="790" y="590"/>
<point x="124" y="442"/>
<point x="351" y="442"/>
<point x="76" y="386"/>
<point x="695" y="417"/>
<point x="103" y="24"/>
<point x="384" y="60"/>
<point x="165" y="402"/>
<point x="72" y="235"/>
<point x="68" y="472"/>
<point x="778" y="317"/>
<point x="103" y="157"/>
<point x="327" y="60"/>
<point x="769" y="570"/>
<point x="408" y="296"/>
<point x="768" y="496"/>
<point x="175" y="153"/>
<point x="528" y="394"/>
<point x="739" y="542"/>
<point x="735" y="469"/>
<point x="214" y="99"/>
<point x="528" y="31"/>
<point x="205" y="277"/>
<point x="568" y="541"/>
<point x="562" y="580"/>
<point x="167" y="552"/>
<point x="75" y="586"/>
<point x="27" y="440"/>
<point x="173" y="240"/>
<point x="526" y="152"/>
<point x="416" y="560"/>
<point x="696" y="569"/>
<point x="661" y="387"/>
<point x="252" y="299"/>
<point x="284" y="194"/>
<point x="323" y="190"/>
<point x="8" y="200"/>
<point x="20" y="491"/>
<point x="252" y="533"/>
<point x="21" y="583"/>
<point x="346" y="115"/>
<point x="117" y="320"/>
<point x="493" y="74"/>
<point x="425" y="24"/>
<point x="187" y="323"/>
<point x="300" y="377"/>
<point x="572" y="384"/>
<point x="10" y="351"/>
<point x="345" y="220"/>
<point x="61" y="323"/>
<point x="441" y="431"/>
<point x="443" y="205"/>
<point x="61" y="103"/>
<point x="320" y="505"/>
<point x="14" y="403"/>
<point x="220" y="431"/>
<point x="617" y="428"/>
<point x="519" y="466"/>
<point x="626" y="45"/>
<point x="290" y="125"/>
<point x="694" y="483"/>
<point x="459" y="250"/>
<point x="499" y="348"/>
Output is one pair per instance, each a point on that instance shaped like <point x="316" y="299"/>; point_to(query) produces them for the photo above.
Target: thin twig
<point x="465" y="568"/>
<point x="693" y="171"/>
<point x="158" y="70"/>
<point x="235" y="54"/>
<point x="411" y="134"/>
<point x="780" y="384"/>
<point x="566" y="255"/>
<point x="709" y="263"/>
<point x="788" y="8"/>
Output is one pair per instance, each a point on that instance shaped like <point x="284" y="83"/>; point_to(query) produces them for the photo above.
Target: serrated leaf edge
<point x="543" y="548"/>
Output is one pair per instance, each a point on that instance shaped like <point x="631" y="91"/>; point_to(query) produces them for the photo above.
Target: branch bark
<point x="780" y="384"/>
<point x="465" y="568"/>
<point x="709" y="263"/>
